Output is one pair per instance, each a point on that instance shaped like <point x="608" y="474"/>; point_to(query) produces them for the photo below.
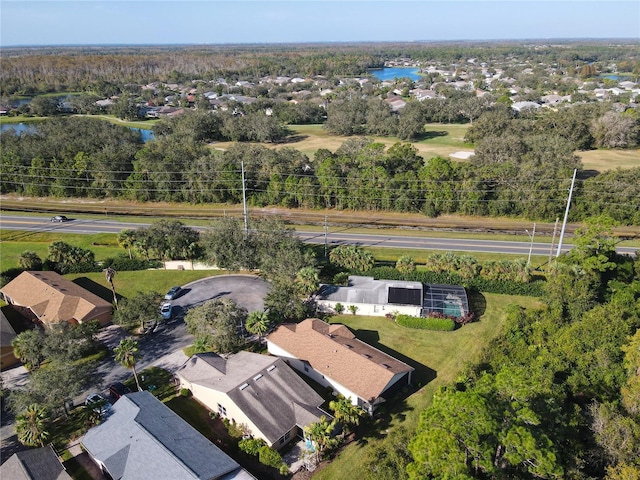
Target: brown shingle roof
<point x="335" y="352"/>
<point x="53" y="298"/>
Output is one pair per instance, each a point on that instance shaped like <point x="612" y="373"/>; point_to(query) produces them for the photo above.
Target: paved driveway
<point x="247" y="291"/>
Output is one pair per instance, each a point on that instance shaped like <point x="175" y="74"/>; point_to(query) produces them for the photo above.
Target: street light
<point x="531" y="236"/>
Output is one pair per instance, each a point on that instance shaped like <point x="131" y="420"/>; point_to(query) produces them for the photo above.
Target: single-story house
<point x="47" y="297"/>
<point x="260" y="392"/>
<point x="382" y="297"/>
<point x="7" y="334"/>
<point x="332" y="356"/>
<point x="35" y="464"/>
<point x="142" y="438"/>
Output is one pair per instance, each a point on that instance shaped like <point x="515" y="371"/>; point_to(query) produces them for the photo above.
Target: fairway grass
<point x="439" y="354"/>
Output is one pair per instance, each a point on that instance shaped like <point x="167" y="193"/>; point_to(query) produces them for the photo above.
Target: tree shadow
<point x="95" y="288"/>
<point x="422" y="374"/>
<point x="431" y="134"/>
<point x="293" y="139"/>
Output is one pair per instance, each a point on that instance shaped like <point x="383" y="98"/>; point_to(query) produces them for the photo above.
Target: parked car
<point x="173" y="293"/>
<point x="59" y="219"/>
<point x="118" y="389"/>
<point x="165" y="310"/>
<point x="99" y="403"/>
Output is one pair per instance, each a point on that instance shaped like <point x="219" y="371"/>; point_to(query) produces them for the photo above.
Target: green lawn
<point x="438" y="358"/>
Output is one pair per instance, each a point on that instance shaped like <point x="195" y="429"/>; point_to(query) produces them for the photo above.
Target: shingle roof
<point x="263" y="387"/>
<point x="144" y="439"/>
<point x="36" y="464"/>
<point x="336" y="353"/>
<point x="52" y="297"/>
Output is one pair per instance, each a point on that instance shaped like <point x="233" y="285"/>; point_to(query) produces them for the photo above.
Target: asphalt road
<point x="335" y="237"/>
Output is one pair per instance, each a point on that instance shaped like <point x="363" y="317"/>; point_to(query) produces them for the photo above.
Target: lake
<point x="389" y="73"/>
<point x="21" y="128"/>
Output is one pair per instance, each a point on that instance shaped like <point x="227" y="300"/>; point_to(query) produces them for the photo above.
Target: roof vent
<point x="348" y="346"/>
<point x="257" y="377"/>
<point x="385" y="365"/>
<point x="366" y="355"/>
<point x="271" y="368"/>
<point x="243" y="386"/>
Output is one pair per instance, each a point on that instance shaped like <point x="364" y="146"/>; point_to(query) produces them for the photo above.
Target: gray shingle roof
<point x="265" y="388"/>
<point x="143" y="438"/>
<point x="36" y="464"/>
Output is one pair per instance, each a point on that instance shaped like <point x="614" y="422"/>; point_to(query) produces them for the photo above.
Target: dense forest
<point x="557" y="394"/>
<point x="518" y="170"/>
<point x="97" y="69"/>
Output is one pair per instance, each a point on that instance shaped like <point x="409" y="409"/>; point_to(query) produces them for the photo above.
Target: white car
<point x="165" y="310"/>
<point x="99" y="403"/>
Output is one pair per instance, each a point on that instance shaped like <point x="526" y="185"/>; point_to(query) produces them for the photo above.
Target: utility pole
<point x="325" y="236"/>
<point x="553" y="239"/>
<point x="531" y="236"/>
<point x="244" y="204"/>
<point x="566" y="213"/>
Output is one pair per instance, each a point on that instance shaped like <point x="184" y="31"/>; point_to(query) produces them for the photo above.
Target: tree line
<point x="516" y="173"/>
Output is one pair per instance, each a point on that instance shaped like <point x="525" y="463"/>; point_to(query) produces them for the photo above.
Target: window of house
<point x="222" y="411"/>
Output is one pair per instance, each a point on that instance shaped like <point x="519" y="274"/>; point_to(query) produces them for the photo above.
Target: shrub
<point x="269" y="457"/>
<point x="251" y="446"/>
<point x="185" y="392"/>
<point x="341" y="278"/>
<point x="123" y="264"/>
<point x="439" y="324"/>
<point x="339" y="308"/>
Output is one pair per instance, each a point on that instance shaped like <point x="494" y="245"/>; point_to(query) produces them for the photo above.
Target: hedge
<point x="532" y="289"/>
<point x="439" y="324"/>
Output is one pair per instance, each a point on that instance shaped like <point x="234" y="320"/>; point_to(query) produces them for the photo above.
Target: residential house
<point x="260" y="392"/>
<point x="47" y="297"/>
<point x="332" y="356"/>
<point x="7" y="334"/>
<point x="35" y="464"/>
<point x="144" y="439"/>
<point x="382" y="297"/>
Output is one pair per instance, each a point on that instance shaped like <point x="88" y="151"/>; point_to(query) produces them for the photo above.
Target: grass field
<point x="440" y="140"/>
<point x="438" y="358"/>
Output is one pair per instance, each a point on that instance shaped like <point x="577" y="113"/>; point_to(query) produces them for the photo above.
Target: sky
<point x="158" y="22"/>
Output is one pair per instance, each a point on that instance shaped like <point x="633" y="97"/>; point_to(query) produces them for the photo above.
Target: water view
<point x="389" y="73"/>
<point x="21" y="128"/>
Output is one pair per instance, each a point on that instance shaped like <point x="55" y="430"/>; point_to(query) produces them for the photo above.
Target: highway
<point x="335" y="236"/>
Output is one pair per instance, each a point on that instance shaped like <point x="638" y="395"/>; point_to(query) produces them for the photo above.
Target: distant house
<point x="259" y="391"/>
<point x="36" y="464"/>
<point x="380" y="297"/>
<point x="332" y="356"/>
<point x="521" y="106"/>
<point x="47" y="297"/>
<point x="7" y="334"/>
<point x="145" y="439"/>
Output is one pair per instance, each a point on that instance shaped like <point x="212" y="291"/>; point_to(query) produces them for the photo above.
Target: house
<point x="35" y="464"/>
<point x="145" y="439"/>
<point x="260" y="392"/>
<point x="7" y="334"/>
<point x="332" y="356"/>
<point x="47" y="297"/>
<point x="382" y="297"/>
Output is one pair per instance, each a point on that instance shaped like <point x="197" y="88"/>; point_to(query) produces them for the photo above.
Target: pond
<point x="22" y="127"/>
<point x="389" y="73"/>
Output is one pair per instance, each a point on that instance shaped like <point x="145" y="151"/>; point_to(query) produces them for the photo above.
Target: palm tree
<point x="346" y="412"/>
<point x="109" y="273"/>
<point x="127" y="354"/>
<point x="30" y="260"/>
<point x="258" y="323"/>
<point x="31" y="426"/>
<point x="320" y="435"/>
<point x="307" y="280"/>
<point x="127" y="239"/>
